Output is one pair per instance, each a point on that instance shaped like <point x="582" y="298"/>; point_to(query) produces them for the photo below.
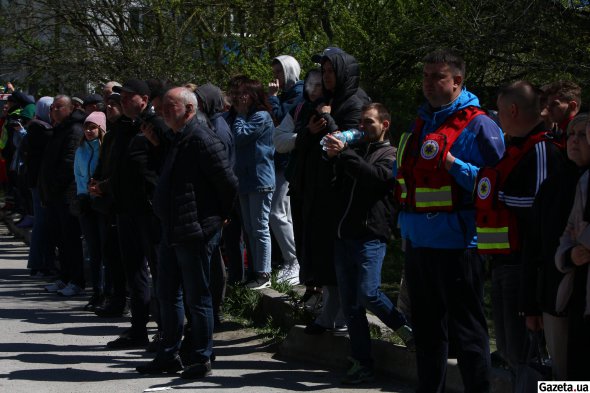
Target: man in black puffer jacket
<point x="137" y="151"/>
<point x="57" y="189"/>
<point x="194" y="196"/>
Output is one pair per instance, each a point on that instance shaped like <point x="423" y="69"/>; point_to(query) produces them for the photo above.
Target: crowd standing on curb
<point x="180" y="190"/>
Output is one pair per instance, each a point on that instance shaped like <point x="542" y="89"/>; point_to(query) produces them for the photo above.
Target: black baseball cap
<point x="92" y="99"/>
<point x="317" y="58"/>
<point x="133" y="86"/>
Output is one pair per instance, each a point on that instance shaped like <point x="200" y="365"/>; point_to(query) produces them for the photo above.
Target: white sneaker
<point x="261" y="282"/>
<point x="289" y="274"/>
<point x="56" y="286"/>
<point x="71" y="290"/>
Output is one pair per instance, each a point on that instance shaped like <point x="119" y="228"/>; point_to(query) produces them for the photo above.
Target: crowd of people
<point x="180" y="190"/>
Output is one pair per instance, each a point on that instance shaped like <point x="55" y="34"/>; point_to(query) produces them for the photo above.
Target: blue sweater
<point x="85" y="162"/>
<point x="480" y="144"/>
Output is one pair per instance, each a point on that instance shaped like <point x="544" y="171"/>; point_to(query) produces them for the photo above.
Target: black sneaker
<point x="113" y="308"/>
<point x="94" y="302"/>
<point x="196" y="371"/>
<point x="161" y="367"/>
<point x="128" y="341"/>
<point x="261" y="281"/>
<point x="358" y="373"/>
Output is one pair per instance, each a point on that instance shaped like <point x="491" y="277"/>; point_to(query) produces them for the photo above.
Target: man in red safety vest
<point x="436" y="169"/>
<point x="504" y="198"/>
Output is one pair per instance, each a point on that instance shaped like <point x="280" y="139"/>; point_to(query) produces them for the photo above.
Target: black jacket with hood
<point x="56" y="173"/>
<point x="316" y="176"/>
<point x="365" y="178"/>
<point x="212" y="104"/>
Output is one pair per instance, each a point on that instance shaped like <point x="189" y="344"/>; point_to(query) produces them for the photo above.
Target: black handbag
<point x="80" y="205"/>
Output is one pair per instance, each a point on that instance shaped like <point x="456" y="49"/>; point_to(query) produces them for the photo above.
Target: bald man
<point x="194" y="196"/>
<point x="505" y="196"/>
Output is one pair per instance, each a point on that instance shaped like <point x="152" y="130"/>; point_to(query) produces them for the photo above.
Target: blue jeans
<point x="186" y="266"/>
<point x="358" y="271"/>
<point x="255" y="215"/>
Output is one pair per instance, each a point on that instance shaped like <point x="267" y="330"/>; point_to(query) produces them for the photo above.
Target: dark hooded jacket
<point x="33" y="146"/>
<point x="211" y="101"/>
<point x="56" y="174"/>
<point x="316" y="176"/>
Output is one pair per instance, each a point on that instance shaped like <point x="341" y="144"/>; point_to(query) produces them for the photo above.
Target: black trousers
<point x="446" y="295"/>
<point x="71" y="259"/>
<point x="114" y="270"/>
<point x="138" y="248"/>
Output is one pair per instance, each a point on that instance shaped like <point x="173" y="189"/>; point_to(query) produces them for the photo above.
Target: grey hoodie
<point x="291" y="68"/>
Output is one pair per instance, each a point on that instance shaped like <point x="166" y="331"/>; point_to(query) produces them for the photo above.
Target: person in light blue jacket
<point x="443" y="270"/>
<point x="85" y="162"/>
<point x="253" y="128"/>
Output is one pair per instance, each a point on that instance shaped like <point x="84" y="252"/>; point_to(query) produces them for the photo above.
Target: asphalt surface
<point x="49" y="344"/>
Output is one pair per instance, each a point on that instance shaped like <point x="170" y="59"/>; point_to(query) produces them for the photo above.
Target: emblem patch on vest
<point x="484" y="187"/>
<point x="429" y="150"/>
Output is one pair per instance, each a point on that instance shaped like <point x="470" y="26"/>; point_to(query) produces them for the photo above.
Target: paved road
<point x="49" y="344"/>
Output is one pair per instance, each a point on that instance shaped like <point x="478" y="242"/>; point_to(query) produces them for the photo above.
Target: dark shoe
<point x="196" y="371"/>
<point x="112" y="309"/>
<point x="155" y="343"/>
<point x="407" y="336"/>
<point x="339" y="330"/>
<point x="126" y="342"/>
<point x="314" y="329"/>
<point x="94" y="301"/>
<point x="161" y="367"/>
<point x="261" y="281"/>
<point x="358" y="373"/>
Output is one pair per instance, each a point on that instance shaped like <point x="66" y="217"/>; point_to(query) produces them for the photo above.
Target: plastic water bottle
<point x="350" y="137"/>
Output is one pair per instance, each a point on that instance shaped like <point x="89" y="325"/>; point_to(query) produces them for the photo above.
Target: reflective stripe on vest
<point x="402" y="147"/>
<point x="403" y="187"/>
<point x="493" y="238"/>
<point x="434" y="197"/>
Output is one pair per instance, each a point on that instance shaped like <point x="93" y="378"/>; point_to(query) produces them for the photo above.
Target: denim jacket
<point x="254" y="152"/>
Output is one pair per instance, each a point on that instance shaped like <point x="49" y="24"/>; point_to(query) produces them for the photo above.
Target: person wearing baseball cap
<point x="131" y="186"/>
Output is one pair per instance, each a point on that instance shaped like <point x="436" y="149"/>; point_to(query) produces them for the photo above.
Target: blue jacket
<point x="254" y="152"/>
<point x="480" y="144"/>
<point x="85" y="162"/>
<point x="282" y="104"/>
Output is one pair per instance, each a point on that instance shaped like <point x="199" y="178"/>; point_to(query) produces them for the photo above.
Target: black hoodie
<point x="212" y="104"/>
<point x="56" y="174"/>
<point x="347" y="98"/>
